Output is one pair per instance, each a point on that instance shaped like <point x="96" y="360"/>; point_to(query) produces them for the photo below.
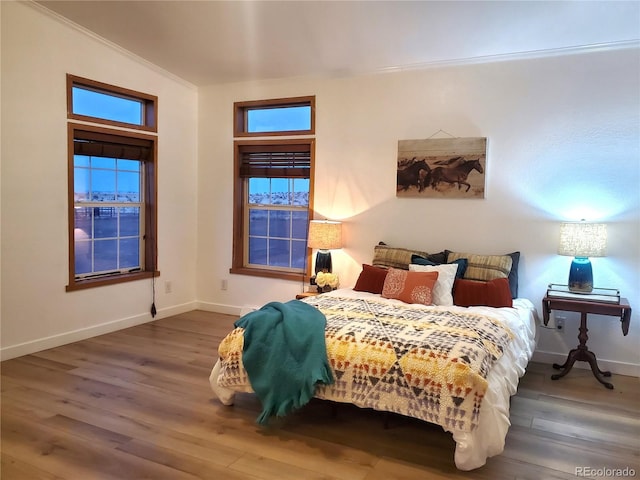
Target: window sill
<point x="258" y="272"/>
<point x="110" y="280"/>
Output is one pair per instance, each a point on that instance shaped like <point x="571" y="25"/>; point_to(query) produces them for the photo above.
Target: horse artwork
<point x="457" y="174"/>
<point x="441" y="168"/>
<point x="414" y="174"/>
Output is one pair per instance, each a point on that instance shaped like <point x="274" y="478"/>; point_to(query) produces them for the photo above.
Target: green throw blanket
<point x="285" y="355"/>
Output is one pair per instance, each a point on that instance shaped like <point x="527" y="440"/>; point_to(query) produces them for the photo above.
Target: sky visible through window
<point x="279" y="119"/>
<point x="109" y="107"/>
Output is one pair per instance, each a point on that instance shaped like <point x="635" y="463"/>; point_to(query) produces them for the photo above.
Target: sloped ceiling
<point x="211" y="42"/>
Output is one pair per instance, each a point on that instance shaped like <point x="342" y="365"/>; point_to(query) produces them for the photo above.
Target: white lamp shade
<point x="325" y="234"/>
<point x="581" y="239"/>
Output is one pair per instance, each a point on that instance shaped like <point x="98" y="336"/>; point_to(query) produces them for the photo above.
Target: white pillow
<point x="443" y="290"/>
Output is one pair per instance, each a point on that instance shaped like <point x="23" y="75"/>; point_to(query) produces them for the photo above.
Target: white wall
<point x="562" y="145"/>
<point x="38" y="50"/>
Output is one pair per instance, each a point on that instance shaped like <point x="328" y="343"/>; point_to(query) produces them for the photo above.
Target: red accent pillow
<point x="410" y="287"/>
<point x="494" y="293"/>
<point x="371" y="279"/>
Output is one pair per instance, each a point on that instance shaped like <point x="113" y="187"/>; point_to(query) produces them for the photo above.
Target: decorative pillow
<point x="371" y="279"/>
<point x="480" y="260"/>
<point x="410" y="287"/>
<point x="513" y="274"/>
<point x="443" y="290"/>
<point x="461" y="263"/>
<point x="393" y="257"/>
<point x="494" y="293"/>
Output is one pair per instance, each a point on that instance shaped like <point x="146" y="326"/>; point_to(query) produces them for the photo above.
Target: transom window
<point x="284" y="116"/>
<point x="98" y="102"/>
<point x="273" y="193"/>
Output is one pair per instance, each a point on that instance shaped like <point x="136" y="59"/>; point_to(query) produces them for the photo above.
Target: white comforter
<point x="472" y="448"/>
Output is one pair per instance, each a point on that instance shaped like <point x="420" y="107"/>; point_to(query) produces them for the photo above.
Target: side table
<point x="302" y="295"/>
<point x="584" y="307"/>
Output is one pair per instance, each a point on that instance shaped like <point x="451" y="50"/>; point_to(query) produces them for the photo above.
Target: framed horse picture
<point x="442" y="168"/>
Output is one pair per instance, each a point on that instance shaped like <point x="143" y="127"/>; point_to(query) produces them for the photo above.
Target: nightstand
<point x="620" y="309"/>
<point x="302" y="295"/>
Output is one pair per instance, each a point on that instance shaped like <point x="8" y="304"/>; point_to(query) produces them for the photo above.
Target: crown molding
<point x="114" y="46"/>
<point x="508" y="57"/>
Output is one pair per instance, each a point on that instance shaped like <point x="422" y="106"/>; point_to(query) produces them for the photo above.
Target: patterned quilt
<point x="429" y="364"/>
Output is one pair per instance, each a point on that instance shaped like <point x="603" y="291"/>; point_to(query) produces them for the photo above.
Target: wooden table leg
<point x="583" y="354"/>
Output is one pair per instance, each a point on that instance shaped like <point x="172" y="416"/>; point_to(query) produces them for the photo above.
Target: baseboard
<point x="53" y="341"/>
<point x="222" y="308"/>
<point x="620" y="368"/>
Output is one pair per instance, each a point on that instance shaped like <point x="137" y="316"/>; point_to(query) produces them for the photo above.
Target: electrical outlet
<point x="560" y="323"/>
<point x="224" y="284"/>
<point x="168" y="287"/>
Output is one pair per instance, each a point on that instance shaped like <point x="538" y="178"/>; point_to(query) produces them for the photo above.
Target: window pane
<point x="259" y="191"/>
<point x="128" y="186"/>
<point x="103" y="185"/>
<point x="103" y="162"/>
<point x="279" y="253"/>
<point x="105" y="222"/>
<point x="82" y="223"/>
<point x="298" y="253"/>
<point x="279" y="223"/>
<point x="81" y="184"/>
<point x="106" y="106"/>
<point x="129" y="165"/>
<point x="129" y="253"/>
<point x="82" y="239"/>
<point x="301" y="191"/>
<point x="83" y="257"/>
<point x="258" y="222"/>
<point x="300" y="224"/>
<point x="81" y="160"/>
<point x="257" y="251"/>
<point x="280" y="191"/>
<point x="105" y="255"/>
<point x="279" y="119"/>
<point x="129" y="222"/>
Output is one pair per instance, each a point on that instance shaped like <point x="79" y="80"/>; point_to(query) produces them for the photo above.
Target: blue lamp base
<point x="323" y="261"/>
<point x="581" y="275"/>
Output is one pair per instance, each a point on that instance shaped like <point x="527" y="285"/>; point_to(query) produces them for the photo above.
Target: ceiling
<point x="212" y="42"/>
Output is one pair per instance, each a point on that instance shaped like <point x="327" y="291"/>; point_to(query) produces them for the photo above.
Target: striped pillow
<point x="392" y="257"/>
<point x="484" y="267"/>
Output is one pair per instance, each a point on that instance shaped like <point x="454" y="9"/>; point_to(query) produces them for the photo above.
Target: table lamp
<point x="324" y="235"/>
<point x="582" y="240"/>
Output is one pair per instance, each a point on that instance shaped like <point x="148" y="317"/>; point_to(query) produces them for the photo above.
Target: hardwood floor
<point x="137" y="404"/>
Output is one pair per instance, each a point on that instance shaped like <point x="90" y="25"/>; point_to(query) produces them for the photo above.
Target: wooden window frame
<point x="149" y="102"/>
<point x="103" y="129"/>
<point x="148" y="269"/>
<point x="240" y="236"/>
<point x="240" y="110"/>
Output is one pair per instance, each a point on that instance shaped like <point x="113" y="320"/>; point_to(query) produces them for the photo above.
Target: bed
<point x="445" y="347"/>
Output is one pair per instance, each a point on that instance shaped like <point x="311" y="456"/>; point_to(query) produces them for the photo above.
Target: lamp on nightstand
<point x="582" y="240"/>
<point x="324" y="235"/>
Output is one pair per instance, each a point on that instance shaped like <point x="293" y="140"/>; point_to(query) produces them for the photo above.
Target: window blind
<point x="110" y="146"/>
<point x="292" y="162"/>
